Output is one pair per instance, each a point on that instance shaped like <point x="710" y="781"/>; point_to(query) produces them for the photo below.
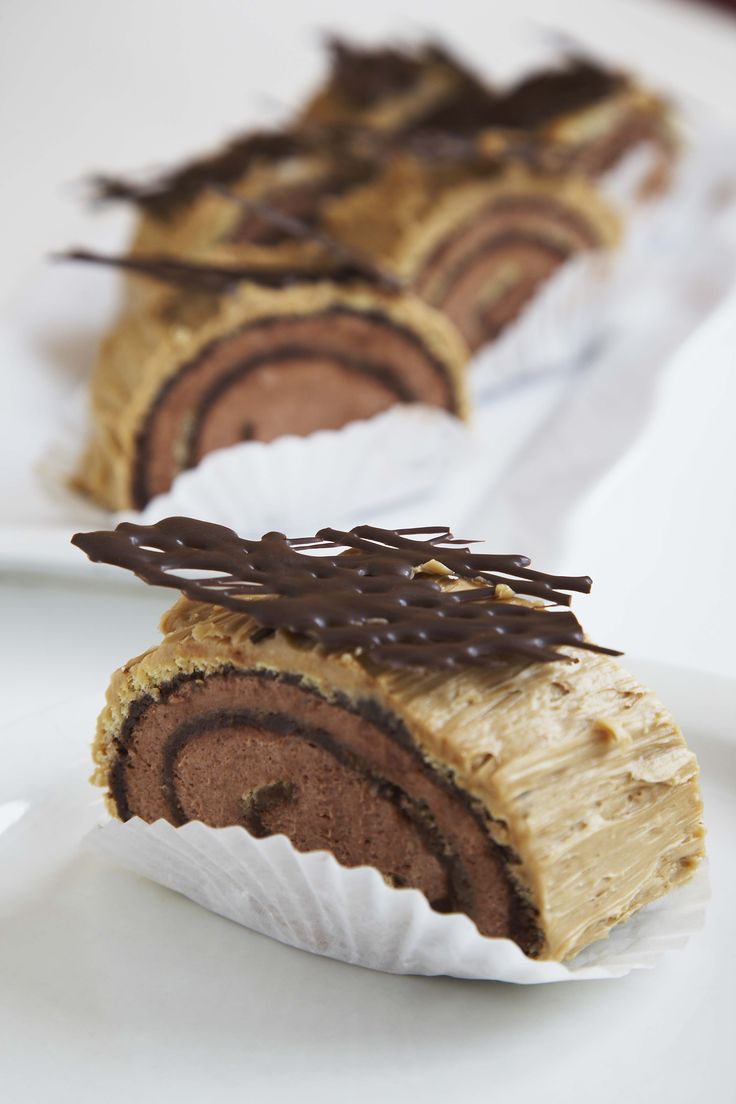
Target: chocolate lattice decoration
<point x="383" y="599"/>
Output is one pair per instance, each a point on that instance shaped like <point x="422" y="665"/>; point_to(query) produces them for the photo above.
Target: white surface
<point x="114" y="988"/>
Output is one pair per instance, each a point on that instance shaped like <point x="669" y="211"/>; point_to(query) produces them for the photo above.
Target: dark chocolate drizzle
<point x="217" y="279"/>
<point x="377" y="601"/>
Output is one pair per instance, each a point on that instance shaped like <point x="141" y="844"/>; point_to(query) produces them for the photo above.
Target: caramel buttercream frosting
<point x="404" y="701"/>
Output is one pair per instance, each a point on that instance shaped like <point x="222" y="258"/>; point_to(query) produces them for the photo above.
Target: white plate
<point x="113" y="988"/>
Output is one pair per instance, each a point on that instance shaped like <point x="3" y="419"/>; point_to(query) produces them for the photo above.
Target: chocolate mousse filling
<point x="265" y="750"/>
<point x="284" y="375"/>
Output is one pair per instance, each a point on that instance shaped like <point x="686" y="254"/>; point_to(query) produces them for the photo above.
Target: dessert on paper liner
<point x="397" y="671"/>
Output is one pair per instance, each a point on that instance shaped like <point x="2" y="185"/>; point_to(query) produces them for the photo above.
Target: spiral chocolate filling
<point x="265" y="751"/>
<point x="483" y="273"/>
<point x="284" y="375"/>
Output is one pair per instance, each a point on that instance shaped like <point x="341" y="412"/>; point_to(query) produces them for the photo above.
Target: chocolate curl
<point x="376" y="597"/>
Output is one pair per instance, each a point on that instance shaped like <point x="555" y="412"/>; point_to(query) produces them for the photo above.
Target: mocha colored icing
<point x="379" y="600"/>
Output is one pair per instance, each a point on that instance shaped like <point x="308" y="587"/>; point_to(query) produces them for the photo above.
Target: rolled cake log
<point x="198" y="370"/>
<point x="477" y="247"/>
<point x="518" y="775"/>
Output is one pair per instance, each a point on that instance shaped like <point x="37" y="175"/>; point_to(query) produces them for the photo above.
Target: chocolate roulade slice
<point x="476" y="247"/>
<point x="401" y="705"/>
<point x="198" y="370"/>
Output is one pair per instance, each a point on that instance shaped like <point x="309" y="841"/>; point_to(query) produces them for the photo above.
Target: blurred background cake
<point x="456" y="190"/>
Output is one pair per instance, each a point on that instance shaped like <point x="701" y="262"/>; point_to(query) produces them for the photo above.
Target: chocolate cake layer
<point x="196" y="371"/>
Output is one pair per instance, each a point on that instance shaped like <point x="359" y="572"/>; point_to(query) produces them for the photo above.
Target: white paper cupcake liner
<point x="309" y="901"/>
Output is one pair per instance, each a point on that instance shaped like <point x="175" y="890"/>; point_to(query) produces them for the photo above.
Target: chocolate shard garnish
<point x="218" y="279"/>
<point x="578" y="84"/>
<point x="364" y="76"/>
<point x="379" y="594"/>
